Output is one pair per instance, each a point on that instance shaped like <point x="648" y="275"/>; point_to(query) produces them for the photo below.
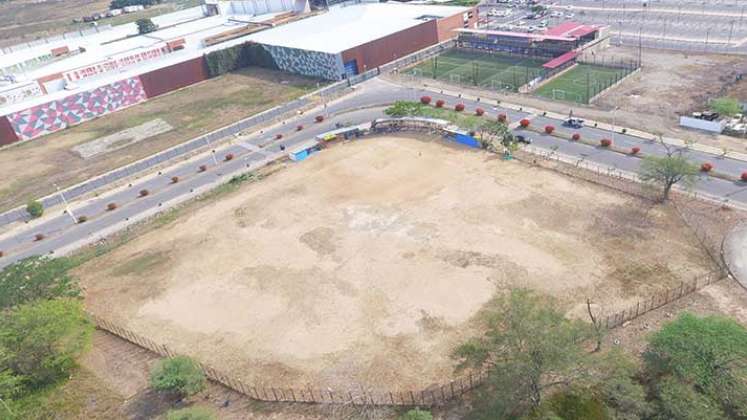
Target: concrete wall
<point x="164" y="80"/>
<point x="446" y="26"/>
<point x="383" y="50"/>
<point x="705" y="125"/>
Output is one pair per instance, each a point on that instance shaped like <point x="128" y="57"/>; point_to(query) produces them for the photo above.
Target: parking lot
<point x="714" y="26"/>
<point x="694" y="26"/>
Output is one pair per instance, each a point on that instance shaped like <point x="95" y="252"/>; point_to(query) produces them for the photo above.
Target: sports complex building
<point x="48" y="86"/>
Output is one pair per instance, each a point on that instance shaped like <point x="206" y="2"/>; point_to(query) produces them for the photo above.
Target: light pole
<point x="67" y="206"/>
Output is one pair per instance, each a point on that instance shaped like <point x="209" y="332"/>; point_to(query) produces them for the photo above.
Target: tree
<point x="528" y="348"/>
<point x="35" y="209"/>
<point x="40" y="341"/>
<point x="496" y="137"/>
<point x="680" y="401"/>
<point x="667" y="171"/>
<point x="726" y="106"/>
<point x="416" y="414"/>
<point x="180" y="375"/>
<point x="710" y="353"/>
<point x="620" y="390"/>
<point x="36" y="278"/>
<point x="145" y="26"/>
<point x="404" y="109"/>
<point x="190" y="413"/>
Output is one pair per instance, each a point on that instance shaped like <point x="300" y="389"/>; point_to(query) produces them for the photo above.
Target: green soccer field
<point x="491" y="71"/>
<point x="581" y="83"/>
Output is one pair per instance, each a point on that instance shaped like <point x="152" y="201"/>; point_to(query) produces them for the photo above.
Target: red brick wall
<point x="384" y="50"/>
<point x="7" y="135"/>
<point x="447" y="25"/>
<point x="158" y="82"/>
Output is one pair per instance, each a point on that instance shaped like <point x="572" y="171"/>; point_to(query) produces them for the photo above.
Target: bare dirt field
<point x="191" y="111"/>
<point x="368" y="263"/>
<point x="27" y="20"/>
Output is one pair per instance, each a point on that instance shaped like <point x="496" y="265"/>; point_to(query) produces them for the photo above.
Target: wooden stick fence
<point x="431" y="396"/>
<point x="661" y="299"/>
<point x="441" y="394"/>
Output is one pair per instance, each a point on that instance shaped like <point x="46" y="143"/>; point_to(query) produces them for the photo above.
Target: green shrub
<point x="35" y="278"/>
<point x="573" y="406"/>
<point x="145" y="26"/>
<point x="35" y="208"/>
<point x="39" y="343"/>
<point x="237" y="57"/>
<point x="190" y="413"/>
<point x="180" y="375"/>
<point x="416" y="414"/>
<point x="726" y="106"/>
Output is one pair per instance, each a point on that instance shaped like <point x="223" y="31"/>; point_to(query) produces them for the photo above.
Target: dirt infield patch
<point x="368" y="263"/>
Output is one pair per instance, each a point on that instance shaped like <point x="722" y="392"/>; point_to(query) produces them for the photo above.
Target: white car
<point x="569" y="15"/>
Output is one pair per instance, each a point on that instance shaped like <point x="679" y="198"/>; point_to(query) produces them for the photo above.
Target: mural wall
<point x="56" y="115"/>
<point x="307" y="63"/>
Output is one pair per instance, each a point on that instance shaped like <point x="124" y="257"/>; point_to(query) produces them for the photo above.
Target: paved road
<point x="367" y="103"/>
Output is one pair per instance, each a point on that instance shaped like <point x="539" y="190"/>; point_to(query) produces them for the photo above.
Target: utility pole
<point x="731" y="32"/>
<point x="68" y="210"/>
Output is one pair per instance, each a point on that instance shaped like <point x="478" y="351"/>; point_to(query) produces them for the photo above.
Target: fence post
<point x="412" y="398"/>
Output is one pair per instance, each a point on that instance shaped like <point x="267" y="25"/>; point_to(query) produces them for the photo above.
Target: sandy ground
<point x="191" y="111"/>
<point x="368" y="263"/>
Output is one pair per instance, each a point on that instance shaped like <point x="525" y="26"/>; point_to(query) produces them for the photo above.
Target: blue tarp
<point x="299" y="156"/>
<point x="467" y="140"/>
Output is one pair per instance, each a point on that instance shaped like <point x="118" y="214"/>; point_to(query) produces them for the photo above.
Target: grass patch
<point x="581" y="83"/>
<point x="491" y="71"/>
<point x="464" y="120"/>
<point x="141" y="264"/>
<point x="83" y="396"/>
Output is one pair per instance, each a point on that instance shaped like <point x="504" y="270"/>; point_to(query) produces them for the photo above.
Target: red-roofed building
<point x="574" y="30"/>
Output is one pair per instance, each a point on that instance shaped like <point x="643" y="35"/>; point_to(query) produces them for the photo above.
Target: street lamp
<point x="67" y="206"/>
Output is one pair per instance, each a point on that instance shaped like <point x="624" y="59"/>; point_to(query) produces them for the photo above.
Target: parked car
<point x="523" y="139"/>
<point x="573" y="123"/>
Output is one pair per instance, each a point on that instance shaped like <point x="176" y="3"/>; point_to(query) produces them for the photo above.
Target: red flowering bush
<point x="278" y="136"/>
<point x="524" y="123"/>
<point x="111" y="206"/>
<point x="440" y="103"/>
<point x="706" y="167"/>
<point x="229" y="157"/>
<point x="202" y="168"/>
<point x="635" y="150"/>
<point x="576" y="137"/>
<point x="549" y="129"/>
<point x="605" y="142"/>
<point x="425" y="100"/>
<point x="479" y="112"/>
<point x="459" y="107"/>
<point x="174" y="179"/>
<point x="39" y="237"/>
<point x="143" y="193"/>
<point x="319" y="118"/>
<point x="744" y="176"/>
<point x="502" y="118"/>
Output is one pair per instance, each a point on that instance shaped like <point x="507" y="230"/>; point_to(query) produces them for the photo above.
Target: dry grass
<point x="192" y="111"/>
<point x="368" y="263"/>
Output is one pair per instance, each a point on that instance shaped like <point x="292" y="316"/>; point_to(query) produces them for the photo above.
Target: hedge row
<point x="237" y="57"/>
